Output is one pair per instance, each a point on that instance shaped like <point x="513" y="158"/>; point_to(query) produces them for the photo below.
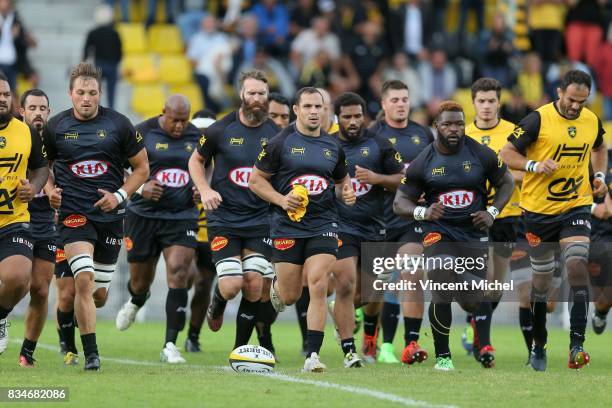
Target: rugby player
<point x="90" y="145"/>
<point x="409" y="139"/>
<point x="23" y="173"/>
<point x="374" y="166"/>
<point x="553" y="145"/>
<point x="279" y="109"/>
<point x="238" y="226"/>
<point x="452" y="173"/>
<point x="303" y="157"/>
<point x="35" y="112"/>
<point x="162" y="218"/>
<point x="490" y="130"/>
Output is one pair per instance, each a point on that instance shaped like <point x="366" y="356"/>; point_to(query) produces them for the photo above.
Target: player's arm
<point x="342" y="181"/>
<point x="514" y="153"/>
<point x="140" y="172"/>
<point x="38" y="170"/>
<point x="260" y="185"/>
<point x="408" y="193"/>
<point x="599" y="161"/>
<point x="392" y="167"/>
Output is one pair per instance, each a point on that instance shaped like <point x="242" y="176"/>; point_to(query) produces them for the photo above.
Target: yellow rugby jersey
<point x="21" y="149"/>
<point x="202" y="229"/>
<point x="545" y="134"/>
<point x="495" y="139"/>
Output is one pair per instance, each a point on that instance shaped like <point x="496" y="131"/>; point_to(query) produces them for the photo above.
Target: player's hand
<point x="152" y="190"/>
<point x="291" y="202"/>
<point x="55" y="197"/>
<point x="197" y="198"/>
<point x="108" y="202"/>
<point x="25" y="191"/>
<point x="210" y="199"/>
<point x="366" y="176"/>
<point x="434" y="212"/>
<point x="482" y="220"/>
<point x="600" y="188"/>
<point x="548" y="167"/>
<point x="348" y="194"/>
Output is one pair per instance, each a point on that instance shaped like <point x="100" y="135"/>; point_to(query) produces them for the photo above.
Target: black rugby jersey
<point x="315" y="162"/>
<point x="409" y="142"/>
<point x="457" y="181"/>
<point x="366" y="218"/>
<point x="90" y="155"/>
<point x="168" y="164"/>
<point x="234" y="148"/>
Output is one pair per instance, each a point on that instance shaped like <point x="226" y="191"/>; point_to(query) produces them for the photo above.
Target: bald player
<point x="162" y="218"/>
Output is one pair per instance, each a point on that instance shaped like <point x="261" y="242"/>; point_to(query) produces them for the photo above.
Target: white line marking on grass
<point x="380" y="395"/>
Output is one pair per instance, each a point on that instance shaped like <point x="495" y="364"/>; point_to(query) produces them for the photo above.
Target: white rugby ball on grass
<point x="252" y="359"/>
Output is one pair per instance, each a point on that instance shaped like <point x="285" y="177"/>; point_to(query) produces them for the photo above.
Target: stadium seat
<point x="463" y="97"/>
<point x="192" y="92"/>
<point x="175" y="69"/>
<point x="147" y="99"/>
<point x="139" y="68"/>
<point x="165" y="39"/>
<point x="133" y="38"/>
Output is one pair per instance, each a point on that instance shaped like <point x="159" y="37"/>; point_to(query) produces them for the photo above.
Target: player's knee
<point x="317" y="288"/>
<point x="255" y="263"/>
<point x="39" y="292"/>
<point x="65" y="297"/>
<point x="252" y="286"/>
<point x="345" y="287"/>
<point x="18" y="281"/>
<point x="550" y="307"/>
<point x="178" y="266"/>
<point x="290" y="296"/>
<point x="82" y="267"/>
<point x="469" y="306"/>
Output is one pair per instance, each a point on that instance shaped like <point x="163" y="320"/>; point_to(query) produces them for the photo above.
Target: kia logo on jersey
<point x="172" y="177"/>
<point x="89" y="168"/>
<point x="313" y="183"/>
<point x="360" y="188"/>
<point x="457" y="199"/>
<point x="240" y="176"/>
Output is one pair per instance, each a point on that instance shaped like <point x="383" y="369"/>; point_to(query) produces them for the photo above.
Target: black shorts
<point x="204" y="256"/>
<point x="45" y="249"/>
<point x="502" y="235"/>
<point x="106" y="237"/>
<point x="229" y="243"/>
<point x="600" y="264"/>
<point x="145" y="238"/>
<point x="298" y="250"/>
<point x="469" y="254"/>
<point x="62" y="269"/>
<point x="542" y="228"/>
<point x="348" y="245"/>
<point x="412" y="233"/>
<point x="16" y="239"/>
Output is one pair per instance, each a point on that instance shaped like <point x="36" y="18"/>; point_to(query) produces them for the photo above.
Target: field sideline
<point x="133" y="376"/>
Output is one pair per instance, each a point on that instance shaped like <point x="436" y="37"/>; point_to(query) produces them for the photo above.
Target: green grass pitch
<point x="132" y="375"/>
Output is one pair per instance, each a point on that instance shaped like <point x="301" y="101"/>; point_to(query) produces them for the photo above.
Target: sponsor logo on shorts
<point x="89" y="168"/>
<point x="60" y="256"/>
<point x="52" y="248"/>
<point x="594" y="269"/>
<point x="457" y="199"/>
<point x="172" y="177"/>
<point x="360" y="188"/>
<point x="313" y="183"/>
<point x="533" y="239"/>
<point x="191" y="233"/>
<point x="339" y="242"/>
<point x="218" y="243"/>
<point x="518" y="254"/>
<point x="75" y="221"/>
<point x="113" y="241"/>
<point x="283" y="244"/>
<point x="129" y="244"/>
<point x="431" y="238"/>
<point x="23" y="241"/>
<point x="240" y="176"/>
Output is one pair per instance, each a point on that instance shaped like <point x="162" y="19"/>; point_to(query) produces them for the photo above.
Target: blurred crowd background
<point x="150" y="48"/>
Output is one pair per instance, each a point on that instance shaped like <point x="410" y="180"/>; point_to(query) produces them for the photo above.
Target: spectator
<point x="546" y="29"/>
<point x="349" y="16"/>
<point x="14" y="43"/>
<point x="210" y="53"/>
<point x="317" y="71"/>
<point x="604" y="74"/>
<point x="125" y="8"/>
<point x="279" y="79"/>
<point x="247" y="44"/>
<point x="531" y="82"/>
<point x="152" y="11"/>
<point x="412" y="36"/>
<point x="302" y="15"/>
<point x="273" y="26"/>
<point x="439" y="80"/>
<point x="584" y="32"/>
<point x="103" y="44"/>
<point x="309" y="43"/>
<point x="515" y="109"/>
<point x="464" y="8"/>
<point x="401" y="70"/>
<point x="498" y="48"/>
<point x="367" y="56"/>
